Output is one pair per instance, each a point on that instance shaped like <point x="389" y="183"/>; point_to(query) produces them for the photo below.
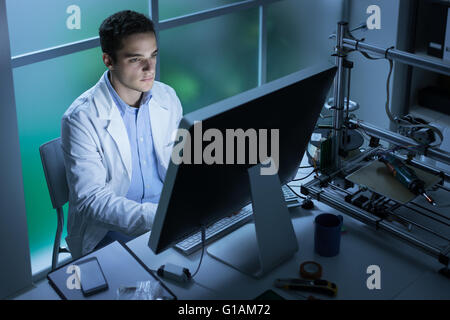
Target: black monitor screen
<point x="275" y="119"/>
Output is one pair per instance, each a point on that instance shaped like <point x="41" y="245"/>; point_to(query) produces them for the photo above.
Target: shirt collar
<point x="121" y="105"/>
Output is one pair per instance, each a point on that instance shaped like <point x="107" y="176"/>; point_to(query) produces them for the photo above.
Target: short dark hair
<point x="120" y="25"/>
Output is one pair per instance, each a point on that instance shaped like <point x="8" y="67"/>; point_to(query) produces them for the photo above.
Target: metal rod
<point x="338" y="107"/>
<point x="377" y="201"/>
<point x="425" y="167"/>
<point x="339" y="188"/>
<point x="431" y="211"/>
<point x="417" y="225"/>
<point x="356" y="160"/>
<point x="443" y="187"/>
<point x="325" y="197"/>
<point x="400" y="140"/>
<point x="349" y="81"/>
<point x="425" y="215"/>
<point x="399" y="56"/>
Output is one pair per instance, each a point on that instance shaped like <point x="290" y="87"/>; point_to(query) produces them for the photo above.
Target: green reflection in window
<point x="297" y="34"/>
<point x="43" y="92"/>
<point x="36" y="25"/>
<point x="211" y="60"/>
<point x="173" y="8"/>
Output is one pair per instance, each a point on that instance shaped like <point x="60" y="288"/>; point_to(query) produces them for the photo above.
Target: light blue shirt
<point x="146" y="185"/>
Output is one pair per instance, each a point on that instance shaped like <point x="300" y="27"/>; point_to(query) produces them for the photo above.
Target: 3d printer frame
<point x="432" y="234"/>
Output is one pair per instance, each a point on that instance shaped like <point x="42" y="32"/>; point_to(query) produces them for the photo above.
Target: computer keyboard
<point x="228" y="224"/>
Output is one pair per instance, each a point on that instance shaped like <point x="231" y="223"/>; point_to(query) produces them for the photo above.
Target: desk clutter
<point x="310" y="281"/>
<point x="126" y="276"/>
<point x="327" y="234"/>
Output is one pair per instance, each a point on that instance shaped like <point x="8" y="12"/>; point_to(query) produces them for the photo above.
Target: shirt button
<point x="141" y="138"/>
<point x="147" y="186"/>
<point x="145" y="162"/>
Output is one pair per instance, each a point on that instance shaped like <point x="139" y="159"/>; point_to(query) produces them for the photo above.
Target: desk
<point x="406" y="273"/>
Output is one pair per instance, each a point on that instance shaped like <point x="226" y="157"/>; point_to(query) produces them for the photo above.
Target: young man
<point x="116" y="139"/>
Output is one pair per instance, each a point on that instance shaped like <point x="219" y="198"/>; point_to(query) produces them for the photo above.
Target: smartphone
<point x="92" y="279"/>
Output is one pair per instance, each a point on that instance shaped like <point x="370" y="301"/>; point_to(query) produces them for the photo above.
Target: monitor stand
<point x="259" y="247"/>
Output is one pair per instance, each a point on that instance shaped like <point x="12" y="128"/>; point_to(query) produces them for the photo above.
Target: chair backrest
<point x="55" y="172"/>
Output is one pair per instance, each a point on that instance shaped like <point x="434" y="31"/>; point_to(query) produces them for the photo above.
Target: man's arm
<point x="90" y="193"/>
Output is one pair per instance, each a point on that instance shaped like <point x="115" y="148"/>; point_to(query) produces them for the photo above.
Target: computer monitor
<point x="213" y="173"/>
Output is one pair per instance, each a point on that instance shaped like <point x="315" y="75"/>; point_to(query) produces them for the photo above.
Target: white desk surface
<point x="406" y="273"/>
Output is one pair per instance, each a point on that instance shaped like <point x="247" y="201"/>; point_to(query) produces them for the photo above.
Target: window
<point x="37" y="25"/>
<point x="211" y="60"/>
<point x="174" y="8"/>
<point x="43" y="92"/>
<point x="221" y="48"/>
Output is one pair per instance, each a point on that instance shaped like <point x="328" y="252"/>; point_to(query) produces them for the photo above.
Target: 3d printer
<point x="385" y="184"/>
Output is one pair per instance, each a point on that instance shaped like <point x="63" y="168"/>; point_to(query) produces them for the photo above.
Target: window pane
<point x="297" y="34"/>
<point x="43" y="92"/>
<point x="211" y="60"/>
<point x="174" y="8"/>
<point x="36" y="25"/>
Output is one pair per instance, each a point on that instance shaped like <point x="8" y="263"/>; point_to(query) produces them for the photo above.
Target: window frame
<point x="73" y="47"/>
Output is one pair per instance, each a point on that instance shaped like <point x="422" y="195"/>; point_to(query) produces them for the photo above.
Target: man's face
<point x="135" y="64"/>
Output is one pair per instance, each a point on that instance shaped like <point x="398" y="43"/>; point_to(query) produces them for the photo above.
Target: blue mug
<point x="327" y="234"/>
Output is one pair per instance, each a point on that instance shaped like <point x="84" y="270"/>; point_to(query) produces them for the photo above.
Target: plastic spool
<point x="311" y="270"/>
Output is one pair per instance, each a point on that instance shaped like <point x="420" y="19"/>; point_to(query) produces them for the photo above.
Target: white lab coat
<point x="97" y="157"/>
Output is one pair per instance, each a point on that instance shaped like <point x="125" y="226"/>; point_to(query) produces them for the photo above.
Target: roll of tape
<point x="311" y="270"/>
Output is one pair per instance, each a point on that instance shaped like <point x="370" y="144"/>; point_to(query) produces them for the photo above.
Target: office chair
<point x="55" y="174"/>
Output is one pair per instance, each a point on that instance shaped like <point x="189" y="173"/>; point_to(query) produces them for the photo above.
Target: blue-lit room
<point x="225" y="150"/>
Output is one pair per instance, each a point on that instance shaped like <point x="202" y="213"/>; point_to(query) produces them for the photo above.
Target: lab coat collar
<point x="107" y="110"/>
<point x="124" y="107"/>
<point x="159" y="120"/>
